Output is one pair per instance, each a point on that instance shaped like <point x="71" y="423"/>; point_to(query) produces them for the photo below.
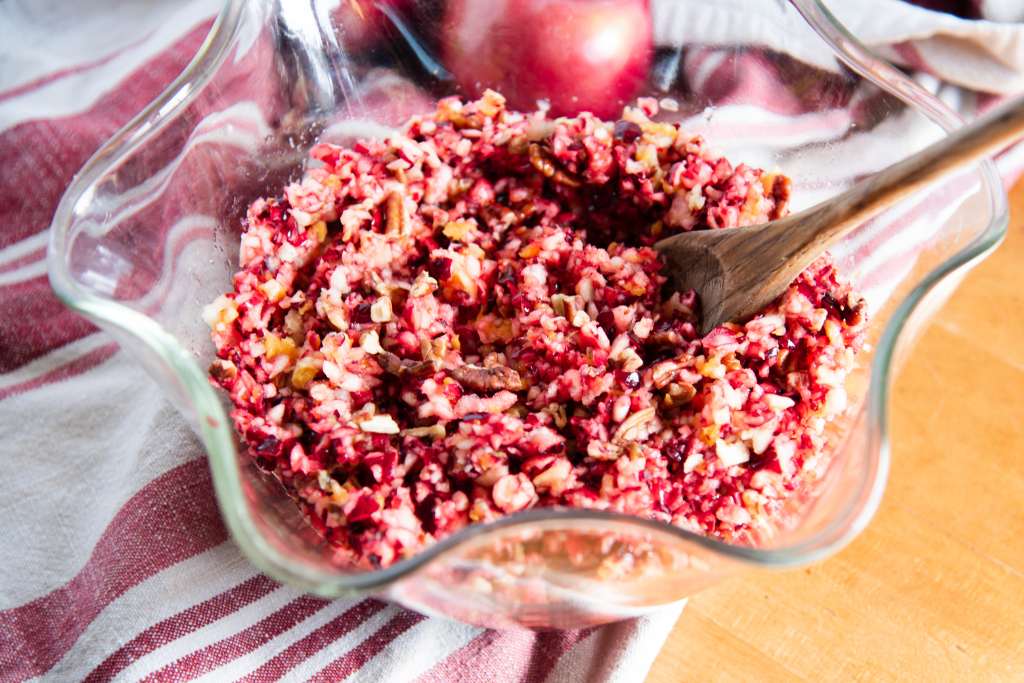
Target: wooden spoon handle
<point x="831" y="221"/>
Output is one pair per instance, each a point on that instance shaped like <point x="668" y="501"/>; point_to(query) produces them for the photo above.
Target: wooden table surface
<point x="933" y="590"/>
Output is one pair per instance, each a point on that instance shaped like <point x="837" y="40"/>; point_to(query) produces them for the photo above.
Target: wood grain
<point x="934" y="588"/>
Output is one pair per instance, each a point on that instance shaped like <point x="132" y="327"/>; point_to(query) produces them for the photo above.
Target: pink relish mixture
<point x="467" y="319"/>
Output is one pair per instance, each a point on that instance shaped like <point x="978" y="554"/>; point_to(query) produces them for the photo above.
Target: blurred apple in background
<point x="580" y="55"/>
<point x="362" y="22"/>
<point x="383" y="102"/>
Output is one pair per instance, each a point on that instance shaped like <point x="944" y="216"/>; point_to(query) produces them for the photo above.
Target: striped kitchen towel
<point x="116" y="564"/>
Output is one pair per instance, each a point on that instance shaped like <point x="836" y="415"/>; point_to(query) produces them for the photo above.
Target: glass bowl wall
<point x="147" y="235"/>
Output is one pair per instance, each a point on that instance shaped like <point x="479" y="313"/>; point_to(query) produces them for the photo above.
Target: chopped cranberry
<point x="507" y="276"/>
<point x="763" y="460"/>
<point x="829" y="302"/>
<point x="627" y="131"/>
<point x="440" y="268"/>
<point x="381" y="465"/>
<point x="425" y="511"/>
<point x="269" y="447"/>
<point x="276" y="213"/>
<point x="363" y="510"/>
<point x="606" y="319"/>
<point x="361" y="313"/>
<point x="675" y="450"/>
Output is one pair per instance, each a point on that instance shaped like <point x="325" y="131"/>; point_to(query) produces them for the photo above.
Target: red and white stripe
<point x="117" y="564"/>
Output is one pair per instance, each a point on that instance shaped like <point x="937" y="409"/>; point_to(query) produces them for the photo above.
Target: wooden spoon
<point x="738" y="272"/>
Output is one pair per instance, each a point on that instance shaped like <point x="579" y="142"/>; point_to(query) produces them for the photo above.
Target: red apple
<point x="580" y="55"/>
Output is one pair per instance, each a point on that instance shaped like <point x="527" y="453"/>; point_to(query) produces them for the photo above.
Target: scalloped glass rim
<point x="215" y="428"/>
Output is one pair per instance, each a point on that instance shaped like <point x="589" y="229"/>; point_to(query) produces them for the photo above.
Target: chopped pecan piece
<point x="394" y="365"/>
<point x="487" y="380"/>
<point x="397" y="220"/>
<point x="543" y="162"/>
<point x="781" y="188"/>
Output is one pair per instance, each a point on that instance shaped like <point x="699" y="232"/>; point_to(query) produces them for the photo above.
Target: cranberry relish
<point x="467" y="319"/>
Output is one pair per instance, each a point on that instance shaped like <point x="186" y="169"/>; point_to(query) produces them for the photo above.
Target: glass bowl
<point x="147" y="234"/>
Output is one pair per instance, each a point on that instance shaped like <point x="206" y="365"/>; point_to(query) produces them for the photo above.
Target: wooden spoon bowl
<point x="738" y="272"/>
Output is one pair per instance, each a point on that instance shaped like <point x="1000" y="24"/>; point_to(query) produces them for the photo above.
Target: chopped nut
<point x="380" y="310"/>
<point x="434" y="431"/>
<point x="563" y="178"/>
<point x="629" y="430"/>
<point x="712" y="367"/>
<point x="529" y="251"/>
<point x="491" y="474"/>
<point x="318" y="231"/>
<point x="305" y="370"/>
<point x="662" y="373"/>
<point x="760" y="437"/>
<point x="695" y="199"/>
<point x="778" y="187"/>
<point x="293" y="325"/>
<point x="370" y="342"/>
<point x="337" y="318"/>
<point x="423" y="285"/>
<point x="434" y="350"/>
<point x="833" y="332"/>
<point x="619" y="344"/>
<point x="222" y="311"/>
<point x="401" y="366"/>
<point x="558" y="303"/>
<point x="585" y="288"/>
<point x="779" y="402"/>
<point x="276" y="346"/>
<point x="572" y="306"/>
<point x="835" y="401"/>
<point x="273" y="290"/>
<point x="221" y="369"/>
<point x="668" y="104"/>
<point x="733" y="514"/>
<point x="513" y="492"/>
<point x="735" y="453"/>
<point x="458" y="230"/>
<point x="647" y="155"/>
<point x="620" y="409"/>
<point x="553" y="478"/>
<point x="635" y="288"/>
<point x="681" y="392"/>
<point x="487" y="380"/>
<point x="379" y="424"/>
<point x="631" y="360"/>
<point x="490" y="103"/>
<point x="709" y="434"/>
<point x="397" y="220"/>
<point x="643" y="327"/>
<point x="557" y="411"/>
<point x="541" y="161"/>
<point x="382" y="288"/>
